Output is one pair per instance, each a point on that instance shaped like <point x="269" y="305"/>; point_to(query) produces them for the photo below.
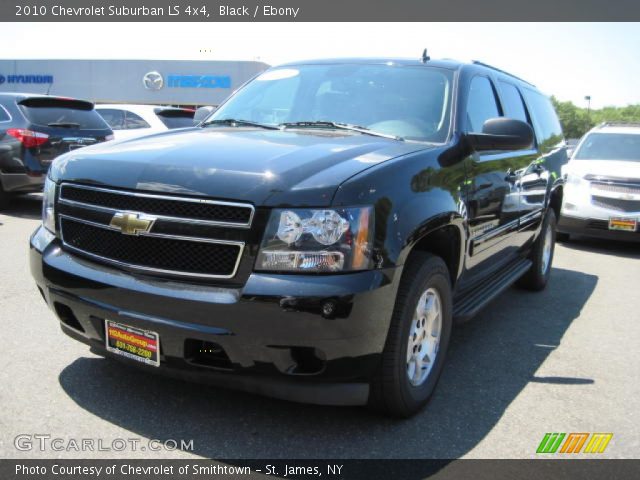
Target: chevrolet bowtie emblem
<point x="132" y="223"/>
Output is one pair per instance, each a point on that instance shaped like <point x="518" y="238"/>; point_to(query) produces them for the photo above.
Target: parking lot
<point x="564" y="360"/>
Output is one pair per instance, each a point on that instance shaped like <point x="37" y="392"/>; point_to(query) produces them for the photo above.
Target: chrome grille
<point x="616" y="188"/>
<point x="618" y="204"/>
<point x="211" y="212"/>
<point x="208" y="241"/>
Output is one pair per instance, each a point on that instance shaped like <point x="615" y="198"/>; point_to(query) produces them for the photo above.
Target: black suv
<point x="34" y="129"/>
<point x="316" y="237"/>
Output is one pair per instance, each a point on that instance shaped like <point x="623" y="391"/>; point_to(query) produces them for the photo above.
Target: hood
<point x="264" y="167"/>
<point x="605" y="168"/>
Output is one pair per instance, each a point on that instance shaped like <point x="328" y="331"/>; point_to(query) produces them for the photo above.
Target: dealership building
<point x="157" y="82"/>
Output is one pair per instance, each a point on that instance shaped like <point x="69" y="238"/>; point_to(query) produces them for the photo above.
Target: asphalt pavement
<point x="562" y="360"/>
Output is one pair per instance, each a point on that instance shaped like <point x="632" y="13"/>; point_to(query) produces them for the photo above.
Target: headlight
<point x="317" y="240"/>
<point x="48" y="205"/>
<point x="576" y="180"/>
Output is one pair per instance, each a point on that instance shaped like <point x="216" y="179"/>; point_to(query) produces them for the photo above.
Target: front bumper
<point x="309" y="338"/>
<point x="594" y="227"/>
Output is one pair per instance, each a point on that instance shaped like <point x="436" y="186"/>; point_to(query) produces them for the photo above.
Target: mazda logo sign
<point x="153" y="81"/>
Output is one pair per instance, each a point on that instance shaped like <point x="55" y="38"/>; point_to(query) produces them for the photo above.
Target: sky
<point x="568" y="60"/>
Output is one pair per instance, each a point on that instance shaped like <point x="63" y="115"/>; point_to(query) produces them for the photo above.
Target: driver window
<point x="481" y="105"/>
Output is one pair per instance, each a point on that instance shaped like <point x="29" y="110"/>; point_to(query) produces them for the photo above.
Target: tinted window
<point x="113" y="117"/>
<point x="512" y="102"/>
<point x="133" y="121"/>
<point x="4" y="115"/>
<point x="610" y="146"/>
<point x="64" y="113"/>
<point x="481" y="105"/>
<point x="547" y="125"/>
<point x="410" y="102"/>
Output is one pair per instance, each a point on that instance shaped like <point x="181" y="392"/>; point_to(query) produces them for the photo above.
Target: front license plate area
<point x="624" y="224"/>
<point x="131" y="342"/>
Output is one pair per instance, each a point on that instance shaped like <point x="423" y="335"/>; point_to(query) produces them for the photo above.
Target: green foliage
<point x="577" y="121"/>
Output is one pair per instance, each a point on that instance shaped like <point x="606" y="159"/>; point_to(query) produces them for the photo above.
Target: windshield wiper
<point x="63" y="124"/>
<point x="233" y="122"/>
<point x="339" y="126"/>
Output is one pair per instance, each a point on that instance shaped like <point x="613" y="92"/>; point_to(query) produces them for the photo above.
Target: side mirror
<point x="202" y="113"/>
<point x="502" y="134"/>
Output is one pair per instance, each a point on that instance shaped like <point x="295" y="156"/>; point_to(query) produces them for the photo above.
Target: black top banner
<point x="316" y="10"/>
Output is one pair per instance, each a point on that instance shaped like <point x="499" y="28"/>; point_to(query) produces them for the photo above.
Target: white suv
<point x="602" y="191"/>
<point x="131" y="121"/>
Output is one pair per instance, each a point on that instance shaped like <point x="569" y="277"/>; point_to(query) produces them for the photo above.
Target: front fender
<point x="413" y="196"/>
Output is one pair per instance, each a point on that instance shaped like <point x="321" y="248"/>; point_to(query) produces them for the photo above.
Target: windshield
<point x="408" y="102"/>
<point x="610" y="146"/>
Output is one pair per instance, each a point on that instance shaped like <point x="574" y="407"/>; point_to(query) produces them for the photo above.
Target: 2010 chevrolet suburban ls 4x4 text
<point x="316" y="237"/>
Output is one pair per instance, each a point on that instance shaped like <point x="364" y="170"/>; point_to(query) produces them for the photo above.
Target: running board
<point x="469" y="304"/>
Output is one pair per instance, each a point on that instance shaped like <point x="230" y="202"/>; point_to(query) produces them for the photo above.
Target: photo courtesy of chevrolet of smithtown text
<point x="294" y="239"/>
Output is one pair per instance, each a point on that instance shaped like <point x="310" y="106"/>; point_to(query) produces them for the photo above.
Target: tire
<point x="537" y="276"/>
<point x="425" y="280"/>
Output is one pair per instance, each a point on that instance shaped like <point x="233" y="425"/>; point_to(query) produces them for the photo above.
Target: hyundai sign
<point x="38" y="79"/>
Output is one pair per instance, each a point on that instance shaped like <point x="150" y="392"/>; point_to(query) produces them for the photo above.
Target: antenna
<point x="49" y="88"/>
<point x="425" y="57"/>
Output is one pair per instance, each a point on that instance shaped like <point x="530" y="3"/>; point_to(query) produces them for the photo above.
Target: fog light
<point x="329" y="309"/>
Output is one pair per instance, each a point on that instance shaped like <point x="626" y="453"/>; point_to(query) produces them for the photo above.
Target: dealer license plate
<point x="134" y="343"/>
<point x="625" y="224"/>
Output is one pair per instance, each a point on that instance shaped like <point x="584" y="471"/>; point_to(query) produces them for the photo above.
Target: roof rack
<point x="619" y="124"/>
<point x="477" y="62"/>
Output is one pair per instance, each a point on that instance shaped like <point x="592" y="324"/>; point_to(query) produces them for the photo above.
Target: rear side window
<point x="113" y="117"/>
<point x="176" y="118"/>
<point x="4" y="115"/>
<point x="134" y="121"/>
<point x="55" y="112"/>
<point x="545" y="120"/>
<point x="481" y="105"/>
<point x="512" y="102"/>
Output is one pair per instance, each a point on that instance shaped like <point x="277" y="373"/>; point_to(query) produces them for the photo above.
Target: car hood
<point x="264" y="167"/>
<point x="605" y="168"/>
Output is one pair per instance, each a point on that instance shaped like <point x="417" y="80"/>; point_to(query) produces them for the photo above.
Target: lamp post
<point x="588" y="99"/>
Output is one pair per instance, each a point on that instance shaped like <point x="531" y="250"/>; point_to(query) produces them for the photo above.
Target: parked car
<point x="129" y="121"/>
<point x="602" y="192"/>
<point x="202" y="113"/>
<point x="34" y="129"/>
<point x="316" y="237"/>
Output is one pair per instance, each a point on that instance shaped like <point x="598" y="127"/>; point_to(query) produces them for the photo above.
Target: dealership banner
<point x="335" y="469"/>
<point x="316" y="10"/>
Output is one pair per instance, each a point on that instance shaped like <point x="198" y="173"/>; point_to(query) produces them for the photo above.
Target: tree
<point x="577" y="121"/>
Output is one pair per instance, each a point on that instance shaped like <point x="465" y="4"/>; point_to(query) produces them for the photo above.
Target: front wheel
<point x="541" y="255"/>
<point x="418" y="338"/>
